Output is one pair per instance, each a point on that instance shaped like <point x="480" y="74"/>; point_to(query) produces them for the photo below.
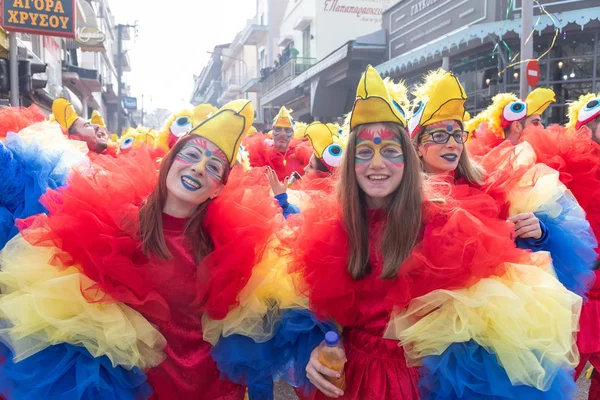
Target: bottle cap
<point x="331" y="338"/>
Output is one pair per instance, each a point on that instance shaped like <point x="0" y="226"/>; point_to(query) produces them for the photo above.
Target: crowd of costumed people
<point x="436" y="254"/>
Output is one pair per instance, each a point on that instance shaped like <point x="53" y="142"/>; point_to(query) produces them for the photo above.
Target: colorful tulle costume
<point x="32" y="162"/>
<point x="446" y="308"/>
<point x="85" y="313"/>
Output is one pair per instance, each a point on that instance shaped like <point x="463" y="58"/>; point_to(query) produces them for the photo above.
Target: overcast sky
<point x="173" y="38"/>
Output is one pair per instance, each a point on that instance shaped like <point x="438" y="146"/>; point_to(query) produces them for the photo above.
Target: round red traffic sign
<point x="533" y="72"/>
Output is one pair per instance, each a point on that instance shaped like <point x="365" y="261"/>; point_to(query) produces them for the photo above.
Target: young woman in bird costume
<point x="546" y="216"/>
<point x="409" y="274"/>
<point x="104" y="297"/>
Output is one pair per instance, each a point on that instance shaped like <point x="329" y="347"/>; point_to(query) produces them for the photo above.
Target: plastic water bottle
<point x="333" y="356"/>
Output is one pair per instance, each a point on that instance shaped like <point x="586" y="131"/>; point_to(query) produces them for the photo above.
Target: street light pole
<point x="526" y="46"/>
<point x="13" y="57"/>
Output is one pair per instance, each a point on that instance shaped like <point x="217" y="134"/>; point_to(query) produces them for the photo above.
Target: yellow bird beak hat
<point x="64" y="113"/>
<point x="284" y="118"/>
<point x="227" y="127"/>
<point x="441" y="97"/>
<point x="97" y="119"/>
<point x="374" y="103"/>
<point x="326" y="143"/>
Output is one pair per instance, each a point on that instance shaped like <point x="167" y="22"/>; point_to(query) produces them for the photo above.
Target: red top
<point x="188" y="372"/>
<point x="293" y="160"/>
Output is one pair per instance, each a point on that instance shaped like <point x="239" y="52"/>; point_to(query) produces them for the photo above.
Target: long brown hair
<point x="151" y="224"/>
<point x="404" y="211"/>
<point x="467" y="168"/>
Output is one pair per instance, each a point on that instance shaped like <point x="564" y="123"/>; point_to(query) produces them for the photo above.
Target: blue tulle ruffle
<point x="257" y="365"/>
<point x="67" y="372"/>
<point x="27" y="171"/>
<point x="570" y="242"/>
<point x="469" y="371"/>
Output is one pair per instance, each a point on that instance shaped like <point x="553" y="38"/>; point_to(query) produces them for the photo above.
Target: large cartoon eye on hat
<point x="589" y="112"/>
<point x="415" y="119"/>
<point x="181" y="126"/>
<point x="515" y="111"/>
<point x="326" y="144"/>
<point x="127" y="143"/>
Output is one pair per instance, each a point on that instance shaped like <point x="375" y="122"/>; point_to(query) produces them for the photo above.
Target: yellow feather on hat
<point x="300" y="129"/>
<point x="64" y="113"/>
<point x="538" y="100"/>
<point x="440" y="97"/>
<point x="227" y="127"/>
<point x="374" y="103"/>
<point x="201" y="112"/>
<point x="578" y="111"/>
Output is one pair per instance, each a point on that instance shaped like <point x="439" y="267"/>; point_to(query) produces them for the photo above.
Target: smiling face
<point x="196" y="174"/>
<point x="439" y="157"/>
<point x="379" y="163"/>
<point x="94" y="135"/>
<point x="282" y="138"/>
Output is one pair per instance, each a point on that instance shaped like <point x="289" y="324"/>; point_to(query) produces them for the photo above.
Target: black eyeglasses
<point x="442" y="137"/>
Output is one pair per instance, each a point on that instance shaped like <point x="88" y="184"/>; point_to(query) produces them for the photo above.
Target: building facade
<point x="478" y="41"/>
<point x="324" y="46"/>
<point x="84" y="69"/>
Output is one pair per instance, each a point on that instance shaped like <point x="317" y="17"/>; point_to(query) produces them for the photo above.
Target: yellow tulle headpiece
<point x="64" y="113"/>
<point x="201" y="112"/>
<point x="326" y="143"/>
<point x="284" y="118"/>
<point x="300" y="129"/>
<point x="97" y="119"/>
<point x="439" y="98"/>
<point x="583" y="110"/>
<point x="227" y="127"/>
<point x="538" y="100"/>
<point x="374" y="103"/>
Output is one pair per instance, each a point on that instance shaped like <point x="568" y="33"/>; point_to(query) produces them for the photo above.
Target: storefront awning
<point x="481" y="32"/>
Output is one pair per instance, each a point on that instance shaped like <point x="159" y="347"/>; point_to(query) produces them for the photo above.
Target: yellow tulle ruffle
<point x="43" y="305"/>
<point x="270" y="290"/>
<point x="525" y="317"/>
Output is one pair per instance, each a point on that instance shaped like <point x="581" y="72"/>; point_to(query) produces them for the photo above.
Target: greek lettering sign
<point x="413" y="23"/>
<point x="42" y="17"/>
<point x="130" y="103"/>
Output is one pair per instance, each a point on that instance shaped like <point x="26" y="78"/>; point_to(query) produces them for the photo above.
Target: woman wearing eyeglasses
<point x="528" y="194"/>
<point x="282" y="153"/>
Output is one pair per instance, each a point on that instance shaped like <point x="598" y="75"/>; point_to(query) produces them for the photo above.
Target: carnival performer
<point x="282" y="153"/>
<point x="328" y="150"/>
<point x="506" y="119"/>
<point x="103" y="298"/>
<point x="35" y="156"/>
<point x="77" y="128"/>
<point x="546" y="216"/>
<point x="386" y="242"/>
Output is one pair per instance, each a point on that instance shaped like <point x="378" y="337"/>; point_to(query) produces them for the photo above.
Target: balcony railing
<point x="287" y="71"/>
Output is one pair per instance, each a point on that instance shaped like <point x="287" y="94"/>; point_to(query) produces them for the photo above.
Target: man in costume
<point x="90" y="131"/>
<point x="284" y="154"/>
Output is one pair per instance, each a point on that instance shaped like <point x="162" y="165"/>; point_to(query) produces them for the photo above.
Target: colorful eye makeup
<point x="196" y="152"/>
<point x="378" y="145"/>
